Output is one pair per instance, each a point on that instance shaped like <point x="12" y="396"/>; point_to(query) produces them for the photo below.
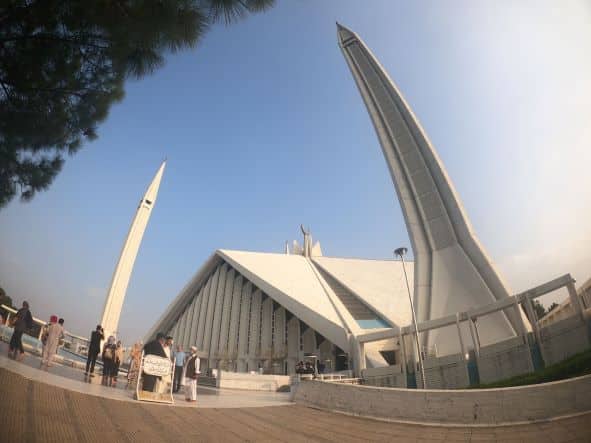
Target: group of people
<point x="112" y="359"/>
<point x="308" y="368"/>
<point x="52" y="335"/>
<point x="304" y="368"/>
<point x="112" y="356"/>
<point x="186" y="367"/>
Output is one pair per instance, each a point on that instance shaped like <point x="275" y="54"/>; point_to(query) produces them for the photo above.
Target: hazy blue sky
<point x="264" y="129"/>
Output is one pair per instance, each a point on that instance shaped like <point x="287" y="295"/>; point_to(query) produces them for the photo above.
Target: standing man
<point x="191" y="375"/>
<point x="155" y="347"/>
<point x="55" y="332"/>
<point x="179" y="363"/>
<point x="94" y="348"/>
<point x="23" y="320"/>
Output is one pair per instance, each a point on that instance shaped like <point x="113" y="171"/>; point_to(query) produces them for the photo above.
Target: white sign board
<point x="160" y="367"/>
<point x="155" y="365"/>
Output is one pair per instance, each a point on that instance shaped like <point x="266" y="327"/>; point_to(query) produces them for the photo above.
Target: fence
<point x="520" y="354"/>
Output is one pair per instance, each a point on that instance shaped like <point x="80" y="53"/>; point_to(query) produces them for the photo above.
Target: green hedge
<point x="575" y="366"/>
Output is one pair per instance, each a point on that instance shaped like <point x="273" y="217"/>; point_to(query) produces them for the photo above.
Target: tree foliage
<point x="539" y="309"/>
<point x="4" y="298"/>
<point x="63" y="64"/>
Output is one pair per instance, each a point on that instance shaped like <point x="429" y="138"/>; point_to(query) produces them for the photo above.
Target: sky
<point x="264" y="129"/>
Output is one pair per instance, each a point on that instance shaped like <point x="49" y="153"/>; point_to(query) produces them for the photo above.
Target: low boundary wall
<point x="448" y="372"/>
<point x="390" y="376"/>
<point x="252" y="382"/>
<point x="505" y="359"/>
<point x="466" y="406"/>
<point x="564" y="338"/>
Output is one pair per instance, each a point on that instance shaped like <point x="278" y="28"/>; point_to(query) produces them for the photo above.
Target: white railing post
<point x="475" y="340"/>
<point x="403" y="352"/>
<point x="575" y="301"/>
<point x="462" y="347"/>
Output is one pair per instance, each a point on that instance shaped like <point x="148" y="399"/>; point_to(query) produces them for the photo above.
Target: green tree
<point x="4" y="298"/>
<point x="64" y="63"/>
<point x="539" y="308"/>
<point x="553" y="306"/>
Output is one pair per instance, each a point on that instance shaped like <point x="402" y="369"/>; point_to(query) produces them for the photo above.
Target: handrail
<point x="473" y="313"/>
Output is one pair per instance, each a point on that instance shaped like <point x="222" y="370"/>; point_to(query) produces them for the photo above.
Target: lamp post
<point x="400" y="253"/>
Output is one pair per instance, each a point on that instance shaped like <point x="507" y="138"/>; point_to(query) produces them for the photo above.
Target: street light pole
<point x="400" y="253"/>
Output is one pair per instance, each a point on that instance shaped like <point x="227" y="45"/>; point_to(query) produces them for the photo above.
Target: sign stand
<point x="157" y="366"/>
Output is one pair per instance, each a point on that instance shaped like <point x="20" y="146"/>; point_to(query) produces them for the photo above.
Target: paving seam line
<point x="453" y="425"/>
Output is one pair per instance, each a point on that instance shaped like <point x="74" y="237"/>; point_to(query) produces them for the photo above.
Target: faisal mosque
<point x="252" y="311"/>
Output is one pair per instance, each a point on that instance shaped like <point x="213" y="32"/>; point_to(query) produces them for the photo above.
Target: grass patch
<point x="575" y="366"/>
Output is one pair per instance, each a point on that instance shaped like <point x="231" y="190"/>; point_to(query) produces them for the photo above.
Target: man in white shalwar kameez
<point x="55" y="332"/>
<point x="192" y="372"/>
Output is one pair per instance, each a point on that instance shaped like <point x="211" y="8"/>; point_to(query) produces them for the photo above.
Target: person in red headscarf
<point x="55" y="332"/>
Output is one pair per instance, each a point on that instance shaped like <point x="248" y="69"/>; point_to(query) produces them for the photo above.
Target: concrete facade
<point x="252" y="382"/>
<point x="504" y="360"/>
<point x="564" y="339"/>
<point x="473" y="406"/>
<point x="449" y="372"/>
<point x="387" y="376"/>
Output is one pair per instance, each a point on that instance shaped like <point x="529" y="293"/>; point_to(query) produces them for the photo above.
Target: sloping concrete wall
<point x="448" y="372"/>
<point x="388" y="376"/>
<point x="251" y="382"/>
<point x="563" y="339"/>
<point x="504" y="360"/>
<point x="466" y="406"/>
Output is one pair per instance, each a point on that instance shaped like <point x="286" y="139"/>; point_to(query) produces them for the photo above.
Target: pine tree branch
<point x="57" y="39"/>
<point x="7" y="92"/>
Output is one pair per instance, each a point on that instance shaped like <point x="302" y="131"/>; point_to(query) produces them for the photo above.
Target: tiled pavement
<point x="32" y="411"/>
<point x="74" y="380"/>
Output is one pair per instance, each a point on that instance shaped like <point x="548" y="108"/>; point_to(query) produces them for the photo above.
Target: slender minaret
<point x="452" y="272"/>
<point x="116" y="295"/>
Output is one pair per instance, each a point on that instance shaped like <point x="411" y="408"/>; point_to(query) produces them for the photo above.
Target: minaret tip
<point x="344" y="33"/>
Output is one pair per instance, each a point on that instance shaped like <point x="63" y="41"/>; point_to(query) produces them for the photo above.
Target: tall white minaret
<point x="452" y="271"/>
<point x="122" y="274"/>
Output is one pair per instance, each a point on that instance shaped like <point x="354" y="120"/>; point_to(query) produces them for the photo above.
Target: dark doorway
<point x="342" y="362"/>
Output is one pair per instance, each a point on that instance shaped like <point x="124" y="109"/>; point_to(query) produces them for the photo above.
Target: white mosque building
<point x="250" y="310"/>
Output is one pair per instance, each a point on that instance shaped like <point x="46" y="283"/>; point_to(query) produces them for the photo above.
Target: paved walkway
<point x="74" y="380"/>
<point x="33" y="410"/>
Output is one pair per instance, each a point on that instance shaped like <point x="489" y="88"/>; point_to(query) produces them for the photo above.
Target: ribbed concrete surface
<point x="31" y="411"/>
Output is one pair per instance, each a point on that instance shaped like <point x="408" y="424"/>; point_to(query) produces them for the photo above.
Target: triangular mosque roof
<point x="301" y="285"/>
<point x="291" y="282"/>
<point x="378" y="283"/>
